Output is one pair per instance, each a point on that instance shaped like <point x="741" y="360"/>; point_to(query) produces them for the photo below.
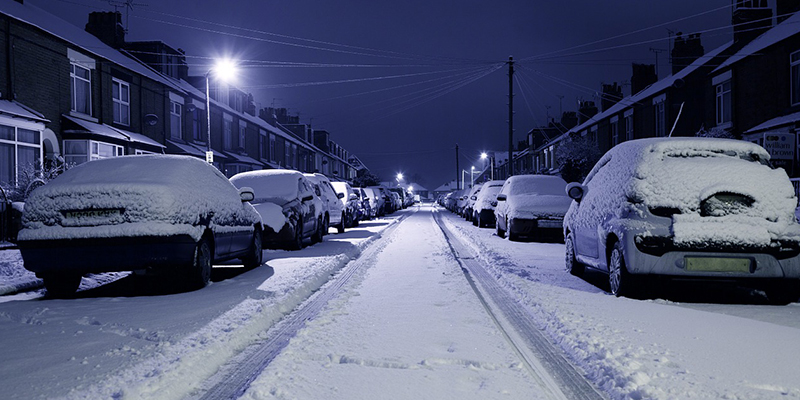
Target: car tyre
<point x="571" y="263"/>
<point x="341" y="226"/>
<point x="255" y="257"/>
<point x="61" y="285"/>
<point x="317" y="236"/>
<point x="501" y="233"/>
<point x="783" y="293"/>
<point x="476" y="221"/>
<point x="199" y="272"/>
<point x="511" y="235"/>
<point x="297" y="242"/>
<point x="620" y="281"/>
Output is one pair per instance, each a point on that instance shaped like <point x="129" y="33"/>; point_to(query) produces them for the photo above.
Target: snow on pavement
<point x="647" y="349"/>
<point x="118" y="341"/>
<point x="409" y="327"/>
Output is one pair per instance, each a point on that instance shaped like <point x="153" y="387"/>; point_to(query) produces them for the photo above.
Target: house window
<point x="287" y="156"/>
<point x="197" y="130"/>
<point x="242" y="134"/>
<point x="175" y="119"/>
<point x="614" y="133"/>
<point x="629" y="127"/>
<point x="660" y="118"/>
<point x="120" y="95"/>
<point x="263" y="144"/>
<point x="80" y="81"/>
<point x="20" y="149"/>
<point x="795" y="78"/>
<point x="227" y="132"/>
<point x="81" y="151"/>
<point x="272" y="148"/>
<point x="723" y="102"/>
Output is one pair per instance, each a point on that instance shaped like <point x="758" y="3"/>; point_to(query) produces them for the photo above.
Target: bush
<point x="576" y="155"/>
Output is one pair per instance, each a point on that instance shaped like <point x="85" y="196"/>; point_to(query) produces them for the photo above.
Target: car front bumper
<point x="537" y="228"/>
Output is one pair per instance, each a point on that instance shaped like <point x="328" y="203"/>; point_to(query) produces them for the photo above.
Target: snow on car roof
<point x="536" y="184"/>
<point x="274" y="185"/>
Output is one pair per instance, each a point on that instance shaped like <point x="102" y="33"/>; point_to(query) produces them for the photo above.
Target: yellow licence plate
<point x="718" y="264"/>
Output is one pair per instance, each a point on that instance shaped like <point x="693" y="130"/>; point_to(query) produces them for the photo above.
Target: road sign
<point x="210" y="157"/>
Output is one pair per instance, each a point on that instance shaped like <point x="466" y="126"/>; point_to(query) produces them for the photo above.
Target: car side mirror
<point x="340" y="195"/>
<point x="353" y="196"/>
<point x="246" y="194"/>
<point x="575" y="191"/>
<point x="474" y="197"/>
<point x="308" y="198"/>
<point x="501" y="197"/>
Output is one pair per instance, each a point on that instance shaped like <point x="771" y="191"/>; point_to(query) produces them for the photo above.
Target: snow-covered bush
<point x="576" y="155"/>
<point x="715" y="132"/>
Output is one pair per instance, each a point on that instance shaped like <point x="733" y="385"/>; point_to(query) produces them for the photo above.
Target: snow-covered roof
<point x="16" y="109"/>
<point x="776" y="122"/>
<point x="649" y="91"/>
<point x="278" y="186"/>
<point x="242" y="158"/>
<point x="784" y="30"/>
<point x="452" y="185"/>
<point x="87" y="42"/>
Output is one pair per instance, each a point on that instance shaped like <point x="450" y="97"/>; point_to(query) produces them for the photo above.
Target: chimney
<point x="685" y="51"/>
<point x="644" y="75"/>
<point x="107" y="26"/>
<point x="569" y="119"/>
<point x="612" y="94"/>
<point x="785" y="8"/>
<point x="586" y="109"/>
<point x="750" y="19"/>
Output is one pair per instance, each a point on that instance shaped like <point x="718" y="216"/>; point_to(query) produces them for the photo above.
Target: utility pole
<point x="457" y="169"/>
<point x="510" y="116"/>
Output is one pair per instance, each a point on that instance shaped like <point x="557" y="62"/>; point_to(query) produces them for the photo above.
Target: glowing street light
<point x="471" y="178"/>
<point x="399" y="176"/>
<point x="484" y="156"/>
<point x="225" y="70"/>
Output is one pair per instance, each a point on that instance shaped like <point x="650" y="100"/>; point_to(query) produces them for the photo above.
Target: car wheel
<point x="256" y="256"/>
<point x="476" y="220"/>
<point x="571" y="264"/>
<point x="199" y="273"/>
<point x="511" y="235"/>
<point x="61" y="285"/>
<point x="297" y="242"/>
<point x="500" y="232"/>
<point x="340" y="228"/>
<point x="620" y="281"/>
<point x="326" y="225"/>
<point x="783" y="293"/>
<point x="317" y="236"/>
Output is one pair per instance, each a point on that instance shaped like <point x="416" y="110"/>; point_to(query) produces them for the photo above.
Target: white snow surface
<point x="274" y="185"/>
<point x="486" y="197"/>
<point x="406" y="327"/>
<point x="159" y="195"/>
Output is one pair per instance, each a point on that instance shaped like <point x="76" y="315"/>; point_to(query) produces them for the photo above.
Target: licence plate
<point x="92" y="214"/>
<point x="718" y="264"/>
<point x="549" y="223"/>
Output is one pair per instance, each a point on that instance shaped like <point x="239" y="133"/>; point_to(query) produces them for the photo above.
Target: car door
<point x="309" y="208"/>
<point x="589" y="215"/>
<point x="500" y="209"/>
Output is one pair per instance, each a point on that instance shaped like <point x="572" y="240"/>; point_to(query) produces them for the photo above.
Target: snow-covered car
<point x="486" y="201"/>
<point x="149" y="214"/>
<point x="376" y="200"/>
<point x="349" y="201"/>
<point x="692" y="208"/>
<point x="290" y="210"/>
<point x="328" y="195"/>
<point x="531" y="206"/>
<point x="469" y="203"/>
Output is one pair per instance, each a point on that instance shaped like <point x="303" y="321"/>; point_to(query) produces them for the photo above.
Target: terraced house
<point x="69" y="96"/>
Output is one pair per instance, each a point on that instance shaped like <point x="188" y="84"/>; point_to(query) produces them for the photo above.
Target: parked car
<point x="290" y="210"/>
<point x="336" y="212"/>
<point x="486" y="201"/>
<point x="689" y="208"/>
<point x="396" y="200"/>
<point x="350" y="201"/>
<point x="531" y="206"/>
<point x="150" y="214"/>
<point x="377" y="200"/>
<point x="466" y="212"/>
<point x="364" y="207"/>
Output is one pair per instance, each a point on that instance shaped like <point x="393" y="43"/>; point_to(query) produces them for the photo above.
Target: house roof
<point x="786" y="29"/>
<point x="110" y="132"/>
<point x="16" y="109"/>
<point x="775" y="122"/>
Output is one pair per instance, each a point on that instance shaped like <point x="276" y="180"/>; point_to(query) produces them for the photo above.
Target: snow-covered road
<point x="402" y="323"/>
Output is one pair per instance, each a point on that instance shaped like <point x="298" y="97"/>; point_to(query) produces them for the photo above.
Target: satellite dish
<point x="678" y="83"/>
<point x="191" y="107"/>
<point x="151" y="119"/>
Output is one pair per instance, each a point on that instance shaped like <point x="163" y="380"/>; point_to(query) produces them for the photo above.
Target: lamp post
<point x="224" y="69"/>
<point x="399" y="178"/>
<point x="471" y="177"/>
<point x="484" y="156"/>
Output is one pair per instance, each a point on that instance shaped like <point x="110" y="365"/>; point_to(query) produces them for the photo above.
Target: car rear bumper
<point x="272" y="239"/>
<point x="82" y="256"/>
<point x="536" y="228"/>
<point x="712" y="265"/>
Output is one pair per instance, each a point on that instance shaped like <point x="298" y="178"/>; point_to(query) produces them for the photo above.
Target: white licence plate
<point x="549" y="223"/>
<point x="93" y="214"/>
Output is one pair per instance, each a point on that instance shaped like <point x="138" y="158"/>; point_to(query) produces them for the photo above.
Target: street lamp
<point x="471" y="178"/>
<point x="491" y="166"/>
<point x="225" y="70"/>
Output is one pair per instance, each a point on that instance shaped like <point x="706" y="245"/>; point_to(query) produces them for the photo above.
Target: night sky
<point x="400" y="83"/>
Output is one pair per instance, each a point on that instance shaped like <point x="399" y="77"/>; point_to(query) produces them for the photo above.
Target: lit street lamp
<point x="484" y="156"/>
<point x="223" y="69"/>
<point x="471" y="178"/>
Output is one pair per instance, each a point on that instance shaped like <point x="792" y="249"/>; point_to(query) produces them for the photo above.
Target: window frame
<point x="175" y="114"/>
<point x="119" y="102"/>
<point x="720" y="103"/>
<point x="16" y="143"/>
<point x="73" y="80"/>
<point x="794" y="79"/>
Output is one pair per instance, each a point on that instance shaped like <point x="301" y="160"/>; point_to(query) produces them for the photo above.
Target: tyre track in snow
<point x="235" y="377"/>
<point x="543" y="359"/>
